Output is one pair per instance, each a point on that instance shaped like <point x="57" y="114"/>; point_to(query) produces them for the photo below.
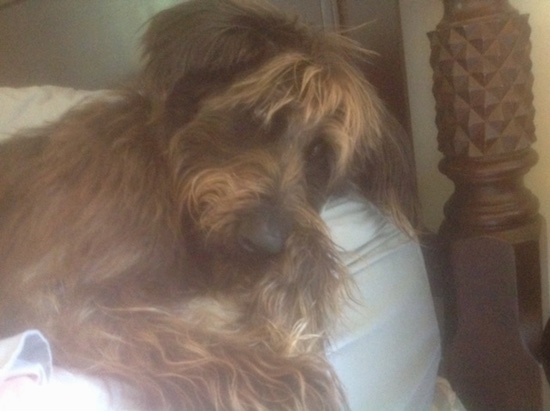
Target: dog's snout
<point x="264" y="232"/>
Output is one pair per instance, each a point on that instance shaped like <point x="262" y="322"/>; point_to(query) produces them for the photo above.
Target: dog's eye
<point x="278" y="124"/>
<point x="318" y="152"/>
<point x="318" y="167"/>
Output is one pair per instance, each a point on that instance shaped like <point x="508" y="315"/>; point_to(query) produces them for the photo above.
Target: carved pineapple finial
<point x="485" y="115"/>
<point x="482" y="79"/>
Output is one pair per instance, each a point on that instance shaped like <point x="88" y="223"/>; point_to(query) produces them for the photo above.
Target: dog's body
<point x="169" y="237"/>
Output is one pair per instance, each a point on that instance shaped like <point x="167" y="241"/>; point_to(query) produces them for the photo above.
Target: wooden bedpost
<point x="483" y="91"/>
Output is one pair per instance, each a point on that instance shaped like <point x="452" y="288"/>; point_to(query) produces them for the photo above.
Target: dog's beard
<point x="305" y="279"/>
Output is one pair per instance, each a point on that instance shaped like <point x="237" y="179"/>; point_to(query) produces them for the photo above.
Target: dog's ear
<point x="386" y="174"/>
<point x="200" y="46"/>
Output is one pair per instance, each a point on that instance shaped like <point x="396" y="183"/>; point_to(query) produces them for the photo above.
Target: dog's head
<point x="266" y="118"/>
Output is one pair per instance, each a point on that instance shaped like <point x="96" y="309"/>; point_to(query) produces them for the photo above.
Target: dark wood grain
<point x="484" y="101"/>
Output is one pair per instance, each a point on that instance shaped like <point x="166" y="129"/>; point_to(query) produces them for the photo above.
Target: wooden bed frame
<point x="492" y="232"/>
<point x="485" y="263"/>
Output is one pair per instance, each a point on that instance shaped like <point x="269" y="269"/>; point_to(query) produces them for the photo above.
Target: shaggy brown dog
<point x="169" y="237"/>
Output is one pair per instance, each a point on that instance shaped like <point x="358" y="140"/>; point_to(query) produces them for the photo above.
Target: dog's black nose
<point x="264" y="232"/>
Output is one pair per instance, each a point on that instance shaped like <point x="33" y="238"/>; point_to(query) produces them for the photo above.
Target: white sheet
<point x="386" y="350"/>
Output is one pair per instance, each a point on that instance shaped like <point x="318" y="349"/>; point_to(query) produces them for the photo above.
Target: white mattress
<point x="386" y="349"/>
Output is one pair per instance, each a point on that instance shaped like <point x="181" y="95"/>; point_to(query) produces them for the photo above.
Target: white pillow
<point x="36" y="106"/>
<point x="387" y="348"/>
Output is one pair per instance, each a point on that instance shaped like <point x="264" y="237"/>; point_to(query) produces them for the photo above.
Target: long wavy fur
<point x="129" y="229"/>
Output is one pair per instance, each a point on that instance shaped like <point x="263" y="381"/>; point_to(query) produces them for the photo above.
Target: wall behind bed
<point x="77" y="42"/>
<point x="420" y="16"/>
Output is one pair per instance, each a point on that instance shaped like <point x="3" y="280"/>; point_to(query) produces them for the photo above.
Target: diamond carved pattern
<point x="482" y="85"/>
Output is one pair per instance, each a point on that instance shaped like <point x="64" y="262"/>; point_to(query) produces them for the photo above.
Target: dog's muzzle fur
<point x="169" y="236"/>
